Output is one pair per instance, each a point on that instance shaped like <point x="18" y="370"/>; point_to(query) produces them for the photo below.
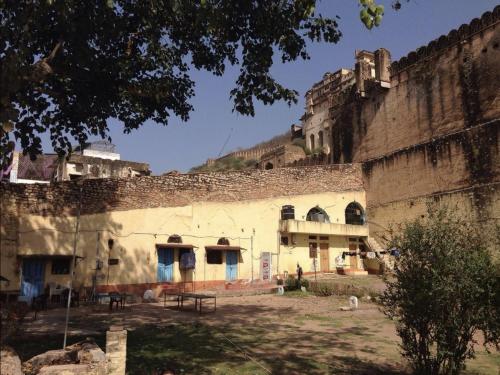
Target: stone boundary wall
<point x="101" y="195"/>
<point x="454" y="37"/>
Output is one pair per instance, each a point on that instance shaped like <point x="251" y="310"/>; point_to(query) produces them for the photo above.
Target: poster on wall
<point x="265" y="266"/>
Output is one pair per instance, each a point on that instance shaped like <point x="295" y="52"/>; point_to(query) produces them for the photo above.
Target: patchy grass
<point x="296" y="334"/>
<point x="297" y="294"/>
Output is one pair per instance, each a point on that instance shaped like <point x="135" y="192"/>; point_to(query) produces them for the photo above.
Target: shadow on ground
<point x="237" y="339"/>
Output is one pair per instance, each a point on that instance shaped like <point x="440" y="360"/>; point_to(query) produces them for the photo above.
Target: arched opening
<point x="269" y="166"/>
<point x="320" y="139"/>
<point x="223" y="241"/>
<point x="175" y="238"/>
<point x="317" y="214"/>
<point x="355" y="214"/>
<point x="311" y="143"/>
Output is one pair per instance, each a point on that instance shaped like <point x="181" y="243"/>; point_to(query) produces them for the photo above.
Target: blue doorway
<point x="32" y="280"/>
<point x="231" y="265"/>
<point x="165" y="264"/>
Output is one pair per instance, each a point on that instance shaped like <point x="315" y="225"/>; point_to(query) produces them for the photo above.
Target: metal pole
<point x="73" y="265"/>
<point x="251" y="254"/>
<point x="97" y="263"/>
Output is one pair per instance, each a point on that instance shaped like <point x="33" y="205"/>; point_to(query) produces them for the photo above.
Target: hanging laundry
<point x="395" y="252"/>
<point x="188" y="261"/>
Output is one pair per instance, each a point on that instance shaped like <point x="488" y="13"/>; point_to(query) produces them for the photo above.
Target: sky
<point x="182" y="145"/>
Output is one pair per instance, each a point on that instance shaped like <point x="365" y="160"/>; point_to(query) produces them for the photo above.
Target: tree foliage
<point x="446" y="290"/>
<point x="67" y="66"/>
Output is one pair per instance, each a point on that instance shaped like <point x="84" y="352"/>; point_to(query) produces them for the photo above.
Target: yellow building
<point x="241" y="227"/>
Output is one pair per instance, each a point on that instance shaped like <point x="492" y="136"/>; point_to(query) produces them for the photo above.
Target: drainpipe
<point x="73" y="265"/>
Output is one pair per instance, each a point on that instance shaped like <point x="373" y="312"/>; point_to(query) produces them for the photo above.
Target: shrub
<point x="445" y="290"/>
<point x="291" y="283"/>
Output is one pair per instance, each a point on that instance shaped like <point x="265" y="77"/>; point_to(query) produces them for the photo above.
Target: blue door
<point x="32" y="280"/>
<point x="165" y="264"/>
<point x="231" y="265"/>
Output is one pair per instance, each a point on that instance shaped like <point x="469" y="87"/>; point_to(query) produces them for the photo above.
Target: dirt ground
<point x="294" y="334"/>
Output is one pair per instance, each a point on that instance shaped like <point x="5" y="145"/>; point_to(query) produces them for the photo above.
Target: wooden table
<point x="118" y="299"/>
<point x="198" y="300"/>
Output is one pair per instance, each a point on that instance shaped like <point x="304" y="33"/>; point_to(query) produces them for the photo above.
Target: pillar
<point x="116" y="350"/>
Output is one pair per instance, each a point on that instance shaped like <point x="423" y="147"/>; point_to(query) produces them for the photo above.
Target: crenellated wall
<point x="434" y="132"/>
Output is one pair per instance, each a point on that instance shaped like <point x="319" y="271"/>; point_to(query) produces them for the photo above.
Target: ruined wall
<point x="434" y="132"/>
<point x="100" y="195"/>
<point x="282" y="156"/>
<point x="9" y="226"/>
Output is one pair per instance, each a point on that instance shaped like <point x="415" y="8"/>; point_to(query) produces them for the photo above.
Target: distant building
<point x="94" y="160"/>
<point x="316" y="122"/>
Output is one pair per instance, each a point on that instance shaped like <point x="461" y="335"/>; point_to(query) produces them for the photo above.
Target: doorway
<point x="353" y="249"/>
<point x="231" y="265"/>
<point x="165" y="264"/>
<point x="33" y="275"/>
<point x="324" y="257"/>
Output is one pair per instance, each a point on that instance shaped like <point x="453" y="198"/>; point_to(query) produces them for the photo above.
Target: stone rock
<point x="49" y="358"/>
<point x="84" y="357"/>
<point x="71" y="369"/>
<point x="353" y="302"/>
<point x="91" y="353"/>
<point x="10" y="364"/>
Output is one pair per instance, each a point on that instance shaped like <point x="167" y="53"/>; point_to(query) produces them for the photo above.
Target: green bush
<point x="291" y="283"/>
<point x="445" y="291"/>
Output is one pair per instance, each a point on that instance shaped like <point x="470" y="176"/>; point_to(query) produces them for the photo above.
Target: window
<point x="323" y="238"/>
<point x="214" y="257"/>
<point x="223" y="241"/>
<point x="175" y="239"/>
<point x="320" y="139"/>
<point x="317" y="214"/>
<point x="354" y="214"/>
<point x="312" y="145"/>
<point x="313" y="237"/>
<point x="269" y="166"/>
<point x="61" y="266"/>
<point x="284" y="240"/>
<point x="113" y="261"/>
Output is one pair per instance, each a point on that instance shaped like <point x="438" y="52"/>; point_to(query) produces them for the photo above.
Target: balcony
<point x="315" y="227"/>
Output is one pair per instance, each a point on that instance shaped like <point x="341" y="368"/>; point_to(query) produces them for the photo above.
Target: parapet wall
<point x="101" y="195"/>
<point x="454" y="37"/>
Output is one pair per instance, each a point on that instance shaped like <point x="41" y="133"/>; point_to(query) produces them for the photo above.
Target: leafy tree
<point x="66" y="66"/>
<point x="446" y="290"/>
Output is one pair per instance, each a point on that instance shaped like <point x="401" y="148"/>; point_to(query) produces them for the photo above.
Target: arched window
<point x="320" y="139"/>
<point x="223" y="241"/>
<point x="355" y="214"/>
<point x="175" y="238"/>
<point x="317" y="214"/>
<point x="269" y="166"/>
<point x="312" y="145"/>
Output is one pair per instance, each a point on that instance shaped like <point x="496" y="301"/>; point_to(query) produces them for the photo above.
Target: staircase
<point x="375" y="246"/>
